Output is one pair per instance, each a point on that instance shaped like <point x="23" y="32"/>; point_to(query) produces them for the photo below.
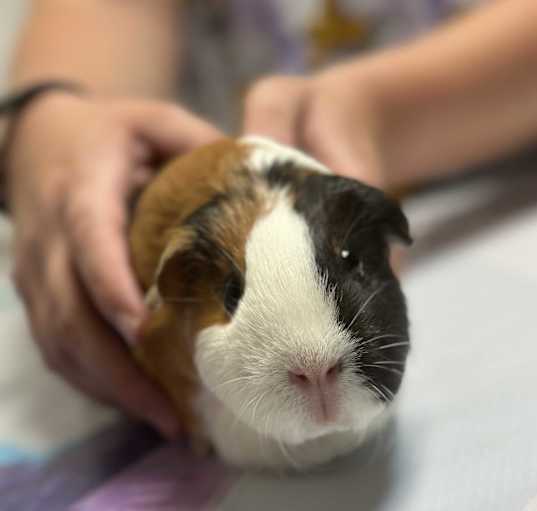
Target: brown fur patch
<point x="183" y="186"/>
<point x="197" y="213"/>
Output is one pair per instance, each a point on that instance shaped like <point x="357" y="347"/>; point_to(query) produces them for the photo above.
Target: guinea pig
<point x="277" y="325"/>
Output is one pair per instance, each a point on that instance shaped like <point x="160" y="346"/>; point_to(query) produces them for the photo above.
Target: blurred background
<point x="11" y="14"/>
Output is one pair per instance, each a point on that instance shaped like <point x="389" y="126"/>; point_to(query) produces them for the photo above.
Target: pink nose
<point x="306" y="378"/>
<point x="320" y="386"/>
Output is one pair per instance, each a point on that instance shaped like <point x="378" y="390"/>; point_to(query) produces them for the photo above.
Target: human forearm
<point x="461" y="95"/>
<point x="110" y="46"/>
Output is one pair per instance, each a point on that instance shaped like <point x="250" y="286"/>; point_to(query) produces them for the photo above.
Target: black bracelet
<point x="11" y="106"/>
<point x="17" y="101"/>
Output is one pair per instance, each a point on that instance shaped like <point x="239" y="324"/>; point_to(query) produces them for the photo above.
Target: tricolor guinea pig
<point x="276" y="323"/>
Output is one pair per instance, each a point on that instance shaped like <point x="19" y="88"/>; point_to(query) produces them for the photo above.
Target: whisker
<point x="366" y="303"/>
<point x="246" y="405"/>
<point x="377" y="391"/>
<point x="393" y="345"/>
<point x="395" y="362"/>
<point x="391" y="369"/>
<point x="242" y="411"/>
<point x="257" y="403"/>
<point x="254" y="404"/>
<point x="383" y="336"/>
<point x="233" y="380"/>
<point x="390" y="393"/>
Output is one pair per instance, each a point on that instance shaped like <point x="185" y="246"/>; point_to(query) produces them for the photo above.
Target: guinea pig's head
<point x="302" y="325"/>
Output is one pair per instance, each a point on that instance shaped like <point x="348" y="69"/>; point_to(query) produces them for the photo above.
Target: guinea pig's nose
<point x="320" y="385"/>
<point x="315" y="378"/>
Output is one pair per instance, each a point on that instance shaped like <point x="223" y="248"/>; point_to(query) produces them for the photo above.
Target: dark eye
<point x="233" y="289"/>
<point x="347" y="257"/>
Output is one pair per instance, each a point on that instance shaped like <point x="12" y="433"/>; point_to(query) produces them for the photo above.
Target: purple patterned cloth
<point x="169" y="479"/>
<point x="56" y="484"/>
<point x="125" y="467"/>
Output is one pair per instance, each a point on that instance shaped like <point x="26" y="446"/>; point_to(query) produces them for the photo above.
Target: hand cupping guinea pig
<point x="276" y="323"/>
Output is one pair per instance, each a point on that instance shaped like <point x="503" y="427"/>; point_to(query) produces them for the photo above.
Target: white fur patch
<point x="266" y="152"/>
<point x="285" y="319"/>
<point x="283" y="287"/>
<point x="243" y="446"/>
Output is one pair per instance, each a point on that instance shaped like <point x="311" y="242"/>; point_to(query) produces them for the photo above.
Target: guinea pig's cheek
<point x="213" y="355"/>
<point x="363" y="409"/>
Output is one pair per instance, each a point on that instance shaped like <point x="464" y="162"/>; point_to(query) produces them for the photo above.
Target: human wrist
<point x="14" y="108"/>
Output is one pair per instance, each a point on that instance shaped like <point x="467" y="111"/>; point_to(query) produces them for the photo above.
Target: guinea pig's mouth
<point x="296" y="434"/>
<point x="314" y="419"/>
<point x="339" y="412"/>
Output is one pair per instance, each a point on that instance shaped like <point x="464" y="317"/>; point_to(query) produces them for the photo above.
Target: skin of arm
<point x="73" y="163"/>
<point x="465" y="93"/>
<point x="128" y="48"/>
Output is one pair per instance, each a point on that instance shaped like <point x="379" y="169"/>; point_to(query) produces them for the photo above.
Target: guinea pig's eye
<point x="347" y="257"/>
<point x="233" y="289"/>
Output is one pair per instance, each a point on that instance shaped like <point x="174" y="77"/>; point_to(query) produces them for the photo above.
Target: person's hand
<point x="73" y="164"/>
<point x="330" y="115"/>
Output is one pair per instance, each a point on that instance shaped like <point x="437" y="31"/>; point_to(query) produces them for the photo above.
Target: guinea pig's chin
<point x="357" y="416"/>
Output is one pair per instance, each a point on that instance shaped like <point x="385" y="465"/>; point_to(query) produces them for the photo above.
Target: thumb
<point x="273" y="108"/>
<point x="169" y="128"/>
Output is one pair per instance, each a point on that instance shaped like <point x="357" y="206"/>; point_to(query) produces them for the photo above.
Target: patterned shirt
<point x="232" y="42"/>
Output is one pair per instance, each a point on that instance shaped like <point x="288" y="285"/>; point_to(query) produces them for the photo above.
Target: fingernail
<point x="129" y="328"/>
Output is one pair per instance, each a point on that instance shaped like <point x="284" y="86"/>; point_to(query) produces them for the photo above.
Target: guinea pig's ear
<point x="367" y="206"/>
<point x="393" y="220"/>
<point x="174" y="273"/>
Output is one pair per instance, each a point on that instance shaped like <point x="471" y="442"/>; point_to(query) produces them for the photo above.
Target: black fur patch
<point x="286" y="174"/>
